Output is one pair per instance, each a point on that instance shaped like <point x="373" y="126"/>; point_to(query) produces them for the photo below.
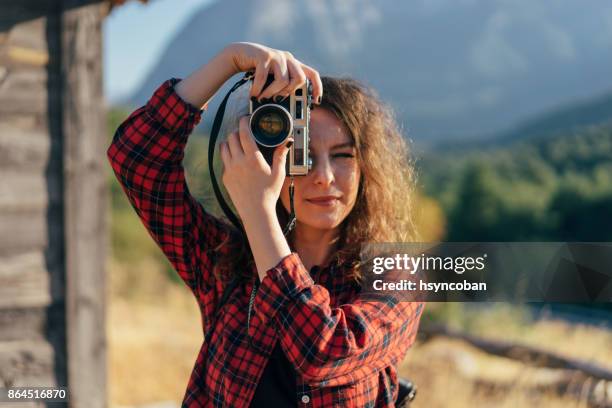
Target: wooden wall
<point x="52" y="198"/>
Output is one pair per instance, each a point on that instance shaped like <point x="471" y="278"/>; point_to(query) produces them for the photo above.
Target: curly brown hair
<point x="383" y="211"/>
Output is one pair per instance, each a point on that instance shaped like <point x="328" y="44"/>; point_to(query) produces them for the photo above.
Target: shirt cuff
<point x="280" y="284"/>
<point x="170" y="110"/>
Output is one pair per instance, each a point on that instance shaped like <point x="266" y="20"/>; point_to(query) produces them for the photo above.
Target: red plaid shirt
<point x="344" y="347"/>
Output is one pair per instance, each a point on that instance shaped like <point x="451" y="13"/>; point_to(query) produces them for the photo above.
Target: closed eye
<point x="343" y="155"/>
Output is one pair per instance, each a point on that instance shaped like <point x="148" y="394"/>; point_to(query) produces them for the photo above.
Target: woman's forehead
<point x="326" y="130"/>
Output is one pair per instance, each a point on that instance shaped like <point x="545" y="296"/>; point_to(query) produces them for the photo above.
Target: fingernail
<point x="319" y="99"/>
<point x="289" y="144"/>
<point x="278" y="98"/>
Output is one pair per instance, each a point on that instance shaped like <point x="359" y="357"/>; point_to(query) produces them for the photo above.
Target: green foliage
<point x="548" y="189"/>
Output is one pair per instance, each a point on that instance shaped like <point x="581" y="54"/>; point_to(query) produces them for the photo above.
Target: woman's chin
<point x="321" y="221"/>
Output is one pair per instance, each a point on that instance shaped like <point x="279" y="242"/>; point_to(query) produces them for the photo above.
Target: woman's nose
<point x="323" y="173"/>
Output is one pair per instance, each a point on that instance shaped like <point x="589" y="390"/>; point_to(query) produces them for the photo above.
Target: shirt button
<point x="305" y="399"/>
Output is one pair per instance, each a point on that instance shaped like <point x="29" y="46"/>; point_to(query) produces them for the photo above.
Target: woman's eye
<point x="342" y="155"/>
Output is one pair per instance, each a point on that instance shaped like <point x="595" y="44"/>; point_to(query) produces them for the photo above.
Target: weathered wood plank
<point x="30" y="34"/>
<point x="23" y="231"/>
<point x="22" y="149"/>
<point x="24" y="281"/>
<point x="27" y="363"/>
<point x="28" y="122"/>
<point x="18" y="323"/>
<point x="29" y="191"/>
<point x="24" y="90"/>
<point x="85" y="195"/>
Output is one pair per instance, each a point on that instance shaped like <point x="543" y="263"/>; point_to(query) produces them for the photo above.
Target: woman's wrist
<point x="229" y="54"/>
<point x="265" y="235"/>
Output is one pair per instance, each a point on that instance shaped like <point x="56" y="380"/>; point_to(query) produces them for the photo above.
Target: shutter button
<point x="305" y="399"/>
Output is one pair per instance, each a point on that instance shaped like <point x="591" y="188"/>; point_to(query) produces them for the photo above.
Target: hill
<point x="451" y="69"/>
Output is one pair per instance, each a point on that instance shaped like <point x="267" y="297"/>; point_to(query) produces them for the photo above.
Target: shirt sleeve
<point x="146" y="156"/>
<point x="333" y="346"/>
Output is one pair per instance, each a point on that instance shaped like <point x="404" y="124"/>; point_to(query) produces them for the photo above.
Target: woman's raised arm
<point x="146" y="155"/>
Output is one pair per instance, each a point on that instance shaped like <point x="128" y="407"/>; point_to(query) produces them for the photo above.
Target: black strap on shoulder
<point x="214" y="133"/>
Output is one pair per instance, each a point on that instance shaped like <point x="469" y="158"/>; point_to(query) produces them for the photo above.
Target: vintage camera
<point x="273" y="122"/>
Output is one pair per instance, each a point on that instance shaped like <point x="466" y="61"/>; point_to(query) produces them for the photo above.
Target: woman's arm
<point x="146" y="156"/>
<point x="333" y="346"/>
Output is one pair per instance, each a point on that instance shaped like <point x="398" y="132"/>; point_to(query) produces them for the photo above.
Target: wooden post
<point x="84" y="137"/>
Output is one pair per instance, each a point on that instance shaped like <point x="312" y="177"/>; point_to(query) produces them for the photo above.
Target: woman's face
<point x="325" y="197"/>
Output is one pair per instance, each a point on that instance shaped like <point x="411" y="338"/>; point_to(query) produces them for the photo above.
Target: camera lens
<point x="271" y="125"/>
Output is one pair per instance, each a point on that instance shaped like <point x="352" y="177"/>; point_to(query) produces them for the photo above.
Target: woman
<point x="296" y="331"/>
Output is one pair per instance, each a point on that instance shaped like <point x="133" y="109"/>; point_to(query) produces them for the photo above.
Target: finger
<point x="279" y="159"/>
<point x="281" y="79"/>
<point x="233" y="142"/>
<point x="249" y="146"/>
<point x="259" y="80"/>
<point x="296" y="75"/>
<point x="317" y="85"/>
<point x="225" y="153"/>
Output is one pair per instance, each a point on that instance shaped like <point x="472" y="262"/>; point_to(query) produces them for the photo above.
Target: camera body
<point x="272" y="122"/>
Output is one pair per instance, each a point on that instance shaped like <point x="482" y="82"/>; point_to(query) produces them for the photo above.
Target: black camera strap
<point x="291" y="222"/>
<point x="214" y="134"/>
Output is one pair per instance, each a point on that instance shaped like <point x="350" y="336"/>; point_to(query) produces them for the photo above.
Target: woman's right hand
<point x="289" y="73"/>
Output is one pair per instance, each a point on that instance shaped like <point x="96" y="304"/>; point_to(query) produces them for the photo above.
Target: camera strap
<point x="291" y="223"/>
<point x="214" y="134"/>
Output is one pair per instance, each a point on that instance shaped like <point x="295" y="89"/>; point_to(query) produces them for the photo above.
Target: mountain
<point x="572" y="118"/>
<point x="567" y="119"/>
<point x="451" y="69"/>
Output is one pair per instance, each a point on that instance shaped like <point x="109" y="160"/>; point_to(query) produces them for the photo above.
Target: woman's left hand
<point x="253" y="185"/>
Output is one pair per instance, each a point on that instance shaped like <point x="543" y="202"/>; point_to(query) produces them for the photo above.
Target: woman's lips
<point x="323" y="201"/>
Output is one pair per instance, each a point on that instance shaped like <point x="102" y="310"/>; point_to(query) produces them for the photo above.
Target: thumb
<point x="280" y="158"/>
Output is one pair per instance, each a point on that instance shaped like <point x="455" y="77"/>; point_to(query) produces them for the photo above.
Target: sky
<point x="135" y="35"/>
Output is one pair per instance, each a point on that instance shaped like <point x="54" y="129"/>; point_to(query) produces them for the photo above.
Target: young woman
<point x="296" y="331"/>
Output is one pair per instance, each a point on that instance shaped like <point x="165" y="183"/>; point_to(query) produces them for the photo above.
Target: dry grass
<point x="449" y="373"/>
<point x="154" y="337"/>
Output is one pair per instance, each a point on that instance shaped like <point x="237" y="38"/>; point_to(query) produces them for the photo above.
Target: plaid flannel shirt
<point x="344" y="348"/>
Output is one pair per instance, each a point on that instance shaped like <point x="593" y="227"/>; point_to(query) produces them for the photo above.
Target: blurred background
<point x="508" y="108"/>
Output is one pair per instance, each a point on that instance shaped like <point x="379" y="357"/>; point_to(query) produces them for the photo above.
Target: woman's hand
<point x="289" y="73"/>
<point x="253" y="185"/>
<point x="250" y="181"/>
